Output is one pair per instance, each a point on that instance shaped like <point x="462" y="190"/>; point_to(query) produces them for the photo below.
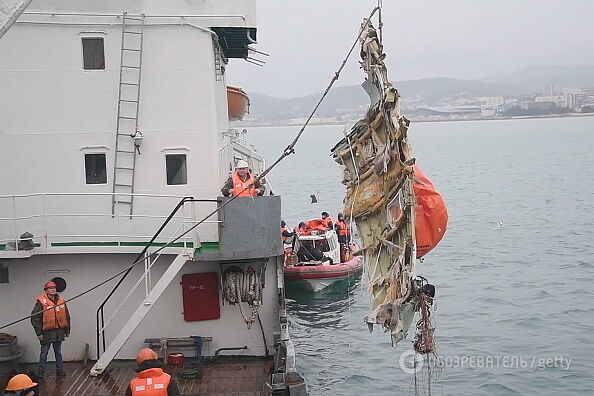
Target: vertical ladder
<point x="120" y="339"/>
<point x="127" y="119"/>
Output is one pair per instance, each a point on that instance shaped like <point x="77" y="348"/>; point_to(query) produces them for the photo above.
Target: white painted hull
<point x="83" y="271"/>
<point x="107" y="162"/>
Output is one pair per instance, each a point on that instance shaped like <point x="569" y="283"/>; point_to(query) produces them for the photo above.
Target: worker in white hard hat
<point x="241" y="182"/>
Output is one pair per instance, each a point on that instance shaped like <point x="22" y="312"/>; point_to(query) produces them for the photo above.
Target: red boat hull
<point x="314" y="278"/>
<point x="341" y="270"/>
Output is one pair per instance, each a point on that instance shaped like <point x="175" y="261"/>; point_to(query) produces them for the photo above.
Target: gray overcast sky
<point x="307" y="40"/>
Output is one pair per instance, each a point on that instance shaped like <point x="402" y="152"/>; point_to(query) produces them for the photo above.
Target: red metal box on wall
<point x="201" y="296"/>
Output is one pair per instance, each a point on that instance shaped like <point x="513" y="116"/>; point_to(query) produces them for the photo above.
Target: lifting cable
<point x="290" y="149"/>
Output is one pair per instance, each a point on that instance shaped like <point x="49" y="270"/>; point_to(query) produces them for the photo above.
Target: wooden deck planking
<point x="241" y="378"/>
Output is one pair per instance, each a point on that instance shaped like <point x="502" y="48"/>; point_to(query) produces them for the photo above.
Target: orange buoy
<point x="431" y="212"/>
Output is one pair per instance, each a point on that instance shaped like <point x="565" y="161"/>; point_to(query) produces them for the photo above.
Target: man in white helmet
<point x="241" y="182"/>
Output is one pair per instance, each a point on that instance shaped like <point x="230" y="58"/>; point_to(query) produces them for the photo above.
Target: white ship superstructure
<point x="111" y="112"/>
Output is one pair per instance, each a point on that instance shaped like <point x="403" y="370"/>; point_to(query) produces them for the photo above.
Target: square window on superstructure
<point x="176" y="169"/>
<point x="95" y="169"/>
<point x="93" y="53"/>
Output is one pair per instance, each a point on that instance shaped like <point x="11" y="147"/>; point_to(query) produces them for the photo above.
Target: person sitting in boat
<point x="151" y="379"/>
<point x="327" y="221"/>
<point x="302" y="229"/>
<point x="342" y="230"/>
<point x="286" y="235"/>
<point x="242" y="183"/>
<point x="309" y="252"/>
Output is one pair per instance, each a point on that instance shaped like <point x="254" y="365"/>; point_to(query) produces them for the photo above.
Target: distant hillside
<point x="533" y="79"/>
<point x="432" y="89"/>
<point x="428" y="90"/>
<point x="344" y="99"/>
<point x="270" y="108"/>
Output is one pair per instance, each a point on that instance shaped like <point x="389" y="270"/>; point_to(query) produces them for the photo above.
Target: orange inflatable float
<point x="431" y="211"/>
<point x="316" y="225"/>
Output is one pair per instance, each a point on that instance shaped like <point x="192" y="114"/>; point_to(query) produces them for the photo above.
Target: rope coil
<point x="243" y="287"/>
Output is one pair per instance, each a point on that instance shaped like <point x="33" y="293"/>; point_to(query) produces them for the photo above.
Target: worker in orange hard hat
<point x="151" y="380"/>
<point x="51" y="320"/>
<point x="20" y="385"/>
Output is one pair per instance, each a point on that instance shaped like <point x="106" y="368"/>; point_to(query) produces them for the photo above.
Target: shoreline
<point x="546" y="116"/>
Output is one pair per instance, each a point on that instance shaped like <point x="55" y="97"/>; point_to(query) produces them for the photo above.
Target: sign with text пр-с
<point x="201" y="296"/>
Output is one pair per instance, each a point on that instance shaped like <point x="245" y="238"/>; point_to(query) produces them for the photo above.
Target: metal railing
<point x="100" y="318"/>
<point x="36" y="206"/>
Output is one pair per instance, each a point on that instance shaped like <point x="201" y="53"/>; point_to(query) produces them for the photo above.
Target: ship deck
<point x="245" y="377"/>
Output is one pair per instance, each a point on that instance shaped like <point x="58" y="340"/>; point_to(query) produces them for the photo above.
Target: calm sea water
<point x="512" y="300"/>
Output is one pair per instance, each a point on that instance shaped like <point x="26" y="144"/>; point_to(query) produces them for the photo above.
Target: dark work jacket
<point x="172" y="389"/>
<point x="54" y="335"/>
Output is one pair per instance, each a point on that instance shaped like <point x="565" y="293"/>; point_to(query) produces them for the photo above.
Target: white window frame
<point x="92" y="35"/>
<point x="95" y="150"/>
<point x="176" y="151"/>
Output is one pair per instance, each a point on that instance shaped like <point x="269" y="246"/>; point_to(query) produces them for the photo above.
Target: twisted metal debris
<point x="378" y="174"/>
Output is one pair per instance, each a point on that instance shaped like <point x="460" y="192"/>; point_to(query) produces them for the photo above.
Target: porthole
<point x="60" y="284"/>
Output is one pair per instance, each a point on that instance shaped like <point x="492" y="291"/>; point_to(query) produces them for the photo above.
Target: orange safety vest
<point x="55" y="318"/>
<point x="303" y="231"/>
<point x="150" y="382"/>
<point x="239" y="186"/>
<point x="326" y="222"/>
<point x="343" y="229"/>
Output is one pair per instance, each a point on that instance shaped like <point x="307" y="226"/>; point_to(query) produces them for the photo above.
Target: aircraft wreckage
<point x="398" y="215"/>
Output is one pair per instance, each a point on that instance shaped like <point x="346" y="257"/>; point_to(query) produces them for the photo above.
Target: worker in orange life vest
<point x="302" y="229"/>
<point x="327" y="221"/>
<point x="151" y="380"/>
<point x="51" y="320"/>
<point x="241" y="182"/>
<point x="342" y="230"/>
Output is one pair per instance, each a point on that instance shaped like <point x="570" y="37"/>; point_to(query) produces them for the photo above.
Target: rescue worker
<point x="51" y="320"/>
<point x="342" y="230"/>
<point x="286" y="235"/>
<point x="151" y="380"/>
<point x="20" y="385"/>
<point x="327" y="221"/>
<point x="238" y="183"/>
<point x="302" y="229"/>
